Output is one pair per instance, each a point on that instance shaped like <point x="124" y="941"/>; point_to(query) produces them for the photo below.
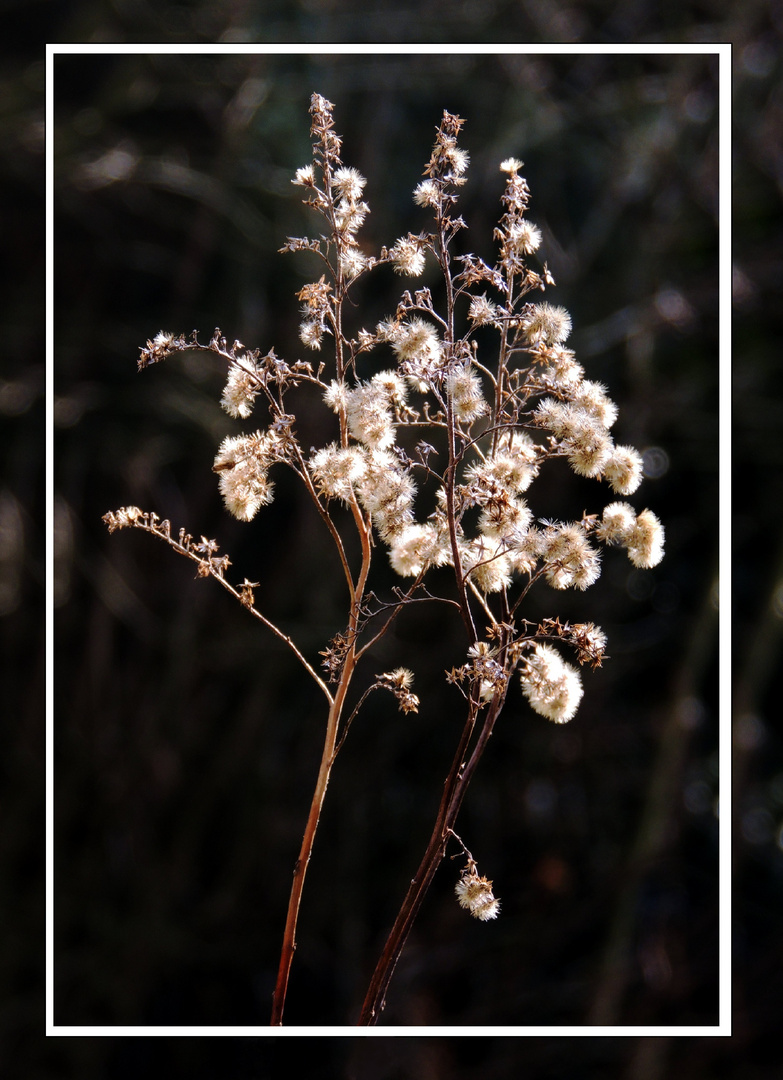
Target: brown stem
<point x="328" y="756"/>
<point x="455" y="787"/>
<point x="300" y="868"/>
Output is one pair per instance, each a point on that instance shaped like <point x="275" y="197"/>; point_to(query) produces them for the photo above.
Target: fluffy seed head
<point x="623" y="470"/>
<point x="482" y="312"/>
<point x="242" y="462"/>
<point x="593" y="399"/>
<point x="413" y="548"/>
<point x="369" y="417"/>
<point x="617" y="522"/>
<point x="311" y="333"/>
<point x="523" y="238"/>
<point x="645" y="543"/>
<point x="553" y="687"/>
<point x="547" y="324"/>
<point x="569" y="560"/>
<point x="474" y="894"/>
<point x="487" y="563"/>
<point x="336" y="470"/>
<point x="349" y="183"/>
<point x="352" y="261"/>
<point x="426" y="194"/>
<point x="408" y="257"/>
<point x="305" y="177"/>
<point x="240" y="389"/>
<point x="464" y="389"/>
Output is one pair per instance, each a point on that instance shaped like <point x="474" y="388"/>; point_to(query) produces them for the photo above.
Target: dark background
<point x="185" y="745"/>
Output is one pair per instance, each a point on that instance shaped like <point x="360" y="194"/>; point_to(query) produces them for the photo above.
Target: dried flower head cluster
<point x="475" y="895"/>
<point x="444" y="415"/>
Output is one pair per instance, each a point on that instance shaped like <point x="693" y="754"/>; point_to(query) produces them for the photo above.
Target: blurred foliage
<point x="185" y="749"/>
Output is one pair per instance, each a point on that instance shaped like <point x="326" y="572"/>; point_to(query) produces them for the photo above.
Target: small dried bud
<point x="399" y="682"/>
<point x="124" y="518"/>
<point x="246" y="594"/>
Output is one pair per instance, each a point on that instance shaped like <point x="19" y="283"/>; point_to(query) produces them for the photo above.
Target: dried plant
<point x="419" y="405"/>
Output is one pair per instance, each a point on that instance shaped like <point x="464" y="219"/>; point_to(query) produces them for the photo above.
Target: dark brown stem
<point x="455" y="787"/>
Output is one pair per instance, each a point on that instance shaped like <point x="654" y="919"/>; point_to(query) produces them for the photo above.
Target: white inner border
<point x="724" y="53"/>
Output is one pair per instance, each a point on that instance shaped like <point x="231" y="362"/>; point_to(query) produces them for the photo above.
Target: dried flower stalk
<point x="494" y="421"/>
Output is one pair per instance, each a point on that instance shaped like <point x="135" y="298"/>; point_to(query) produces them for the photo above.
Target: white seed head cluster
<point x="418" y="349"/>
<point x="408" y="256"/>
<point x="386" y="491"/>
<point x="642" y="535"/>
<point x="552" y="686"/>
<point x="416" y="547"/>
<point x="512" y="466"/>
<point x="504" y="419"/>
<point x="369" y="415"/>
<point x="623" y="470"/>
<point x="348" y="213"/>
<point x="569" y="559"/>
<point x="560" y="369"/>
<point x="241" y="388"/>
<point x="580" y="425"/>
<point x="645" y="544"/>
<point x="502" y="396"/>
<point x="475" y="895"/>
<point x="482" y="312"/>
<point x="337" y="470"/>
<point x="591" y="397"/>
<point x="465" y="393"/>
<point x="546" y="324"/>
<point x="485" y="561"/>
<point x="242" y="462"/>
